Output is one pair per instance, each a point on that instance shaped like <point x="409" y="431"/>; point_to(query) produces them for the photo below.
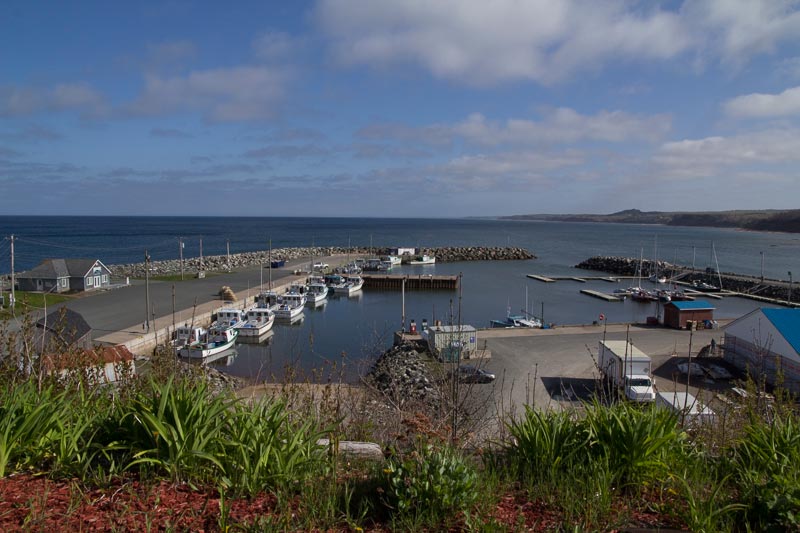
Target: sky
<point x="398" y="108"/>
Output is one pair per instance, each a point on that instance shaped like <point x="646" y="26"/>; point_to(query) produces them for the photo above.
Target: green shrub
<point x="546" y="442"/>
<point x="433" y="480"/>
<point x="27" y="417"/>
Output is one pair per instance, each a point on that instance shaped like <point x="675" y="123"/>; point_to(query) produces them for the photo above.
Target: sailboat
<point x="702" y="286"/>
<point x="655" y="277"/>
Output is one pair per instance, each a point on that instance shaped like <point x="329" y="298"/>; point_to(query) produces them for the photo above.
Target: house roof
<point x="787" y="322"/>
<point x="96" y="357"/>
<point x="67" y="324"/>
<point x="59" y="268"/>
<point x="696" y="305"/>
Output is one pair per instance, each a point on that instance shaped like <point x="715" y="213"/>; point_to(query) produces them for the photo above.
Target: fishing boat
<point x="349" y="285"/>
<point x="423" y="260"/>
<point x="290" y="306"/>
<point x="229" y="316"/>
<point x="258" y="321"/>
<point x="217" y="339"/>
<point x="316" y="291"/>
<point x="392" y="259"/>
<point x="516" y="321"/>
<point x="642" y="295"/>
<point x="186" y="334"/>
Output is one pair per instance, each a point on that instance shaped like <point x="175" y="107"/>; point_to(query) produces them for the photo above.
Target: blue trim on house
<point x="787" y="322"/>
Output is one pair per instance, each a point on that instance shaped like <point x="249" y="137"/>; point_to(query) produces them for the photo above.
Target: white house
<point x="765" y="341"/>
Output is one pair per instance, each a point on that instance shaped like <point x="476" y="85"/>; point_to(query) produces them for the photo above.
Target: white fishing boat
<point x="423" y="260"/>
<point x="290" y="306"/>
<point x="348" y="285"/>
<point x="217" y="339"/>
<point x="391" y="259"/>
<point x="317" y="290"/>
<point x="258" y="321"/>
<point x="186" y="334"/>
<point x="229" y="316"/>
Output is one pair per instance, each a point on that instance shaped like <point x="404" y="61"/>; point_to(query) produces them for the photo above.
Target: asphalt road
<point x="120" y="309"/>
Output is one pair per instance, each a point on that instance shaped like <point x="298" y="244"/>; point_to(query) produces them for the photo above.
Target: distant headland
<point x="787" y="220"/>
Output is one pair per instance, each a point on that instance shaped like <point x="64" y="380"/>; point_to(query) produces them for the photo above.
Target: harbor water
<point x="347" y="332"/>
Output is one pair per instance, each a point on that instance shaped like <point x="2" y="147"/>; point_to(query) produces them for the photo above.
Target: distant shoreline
<point x="773" y="221"/>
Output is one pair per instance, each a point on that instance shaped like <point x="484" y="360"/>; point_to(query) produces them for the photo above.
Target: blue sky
<point x="398" y="108"/>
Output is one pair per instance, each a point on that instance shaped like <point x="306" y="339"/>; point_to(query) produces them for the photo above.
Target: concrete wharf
<point x="601" y="295"/>
<point x="418" y="282"/>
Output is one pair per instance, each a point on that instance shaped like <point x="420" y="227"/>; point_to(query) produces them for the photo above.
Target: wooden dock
<point x="601" y="295"/>
<point x="541" y="278"/>
<point x="413" y="283"/>
<point x="698" y="294"/>
<point x="580" y="279"/>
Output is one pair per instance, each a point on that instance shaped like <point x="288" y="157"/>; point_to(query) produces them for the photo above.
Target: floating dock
<point x="541" y="278"/>
<point x="697" y="294"/>
<point x="581" y="279"/>
<point x="418" y="282"/>
<point x="601" y="295"/>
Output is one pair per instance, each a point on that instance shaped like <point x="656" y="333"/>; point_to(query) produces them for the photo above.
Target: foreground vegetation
<point x="172" y="454"/>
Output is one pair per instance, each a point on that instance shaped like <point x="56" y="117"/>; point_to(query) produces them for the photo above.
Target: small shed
<point x="403" y="251"/>
<point x="452" y="343"/>
<point x="101" y="365"/>
<point x="678" y="314"/>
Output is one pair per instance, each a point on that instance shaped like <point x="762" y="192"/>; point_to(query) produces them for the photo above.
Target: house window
<point x="64" y="282"/>
<point x="89" y="281"/>
<point x="105" y="278"/>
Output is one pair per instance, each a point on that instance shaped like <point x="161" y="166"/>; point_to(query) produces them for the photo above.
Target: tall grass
<point x="27" y="418"/>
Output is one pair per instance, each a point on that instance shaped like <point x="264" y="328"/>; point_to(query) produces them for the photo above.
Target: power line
<point x="94" y="248"/>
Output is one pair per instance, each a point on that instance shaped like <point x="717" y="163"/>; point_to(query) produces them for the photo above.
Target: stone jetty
<point x="402" y="374"/>
<point x="248" y="259"/>
<point x="627" y="266"/>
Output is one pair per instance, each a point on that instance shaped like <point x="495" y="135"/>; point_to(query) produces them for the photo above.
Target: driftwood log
<point x="354" y="449"/>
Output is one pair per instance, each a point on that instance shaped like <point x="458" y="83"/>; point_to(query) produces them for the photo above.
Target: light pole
<point x="762" y="266"/>
<point x="790" y="288"/>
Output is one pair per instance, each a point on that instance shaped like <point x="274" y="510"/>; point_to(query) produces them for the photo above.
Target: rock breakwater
<point x="402" y="374"/>
<point x="627" y="266"/>
<point x="248" y="259"/>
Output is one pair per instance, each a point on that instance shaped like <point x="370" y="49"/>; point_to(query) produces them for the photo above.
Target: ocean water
<point x="343" y="335"/>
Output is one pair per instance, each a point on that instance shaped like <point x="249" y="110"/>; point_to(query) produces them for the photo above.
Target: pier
<point x="580" y="279"/>
<point x="601" y="295"/>
<point x="418" y="282"/>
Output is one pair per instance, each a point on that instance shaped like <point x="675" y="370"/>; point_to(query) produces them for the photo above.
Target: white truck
<point x="627" y="367"/>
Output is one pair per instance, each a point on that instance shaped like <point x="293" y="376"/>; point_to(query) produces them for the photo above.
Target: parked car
<point x="320" y="266"/>
<point x="472" y="374"/>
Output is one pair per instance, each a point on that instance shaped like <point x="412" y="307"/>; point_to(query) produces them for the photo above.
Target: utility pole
<point x="790" y="288"/>
<point x="201" y="254"/>
<point x="173" y="307"/>
<point x="228" y="248"/>
<point x="694" y="254"/>
<point x="762" y="266"/>
<point x="180" y="254"/>
<point x="13" y="299"/>
<point x="146" y="292"/>
<point x="403" y="309"/>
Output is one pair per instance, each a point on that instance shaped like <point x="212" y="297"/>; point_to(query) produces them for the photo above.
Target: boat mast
<point x="270" y="264"/>
<point x="716" y="263"/>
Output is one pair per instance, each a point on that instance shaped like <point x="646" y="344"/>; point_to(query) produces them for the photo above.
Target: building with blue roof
<point x="766" y="343"/>
<point x="693" y="312"/>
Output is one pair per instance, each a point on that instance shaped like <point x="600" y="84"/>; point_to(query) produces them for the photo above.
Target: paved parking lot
<point x="553" y="368"/>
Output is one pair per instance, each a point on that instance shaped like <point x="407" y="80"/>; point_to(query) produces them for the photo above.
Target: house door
<point x="38" y="285"/>
<point x="97" y="281"/>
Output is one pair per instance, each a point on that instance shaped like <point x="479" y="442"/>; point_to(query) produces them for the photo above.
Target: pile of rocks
<point x="477" y="253"/>
<point x="247" y="259"/>
<point x="402" y="374"/>
<point x="626" y="266"/>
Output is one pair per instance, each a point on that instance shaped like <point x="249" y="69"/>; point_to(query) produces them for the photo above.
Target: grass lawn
<point x="28" y="300"/>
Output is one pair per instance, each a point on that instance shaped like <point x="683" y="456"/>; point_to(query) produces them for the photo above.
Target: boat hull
<point x="207" y="349"/>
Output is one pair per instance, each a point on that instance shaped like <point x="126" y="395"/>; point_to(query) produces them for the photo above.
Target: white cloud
<point x="763" y="151"/>
<point x="272" y="45"/>
<point x="486" y="43"/>
<point x="483" y="43"/>
<point x="758" y="105"/>
<point x="736" y="30"/>
<point x="564" y="125"/>
<point x="22" y="101"/>
<point x="170" y="52"/>
<point x="224" y="94"/>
